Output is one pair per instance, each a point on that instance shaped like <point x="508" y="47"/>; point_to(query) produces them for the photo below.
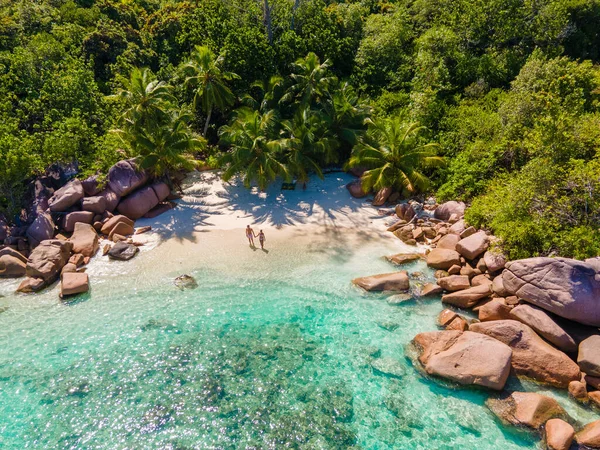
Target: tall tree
<point x="146" y="99"/>
<point x="311" y="80"/>
<point x="204" y="73"/>
<point x="255" y="152"/>
<point x="394" y="156"/>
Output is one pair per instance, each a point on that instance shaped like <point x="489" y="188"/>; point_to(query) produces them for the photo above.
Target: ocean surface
<point x="272" y="350"/>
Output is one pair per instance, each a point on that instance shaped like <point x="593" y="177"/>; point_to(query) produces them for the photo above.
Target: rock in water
<point x="559" y="434"/>
<point x="11" y="267"/>
<point x="396" y="281"/>
<point x="73" y="283"/>
<point x="403" y="258"/>
<point x="565" y="287"/>
<point x="388" y="366"/>
<point x="122" y="251"/>
<point x="590" y="435"/>
<point x="526" y="409"/>
<point x="186" y="282"/>
<point x="532" y="357"/>
<point x="464" y="357"/>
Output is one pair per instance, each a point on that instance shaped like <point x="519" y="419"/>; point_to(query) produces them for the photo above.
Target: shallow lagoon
<point x="271" y="351"/>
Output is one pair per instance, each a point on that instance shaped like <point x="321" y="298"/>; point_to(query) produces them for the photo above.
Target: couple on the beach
<point x="250" y="235"/>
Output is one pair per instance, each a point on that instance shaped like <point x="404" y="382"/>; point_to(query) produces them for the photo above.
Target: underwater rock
<point x="185" y="282"/>
<point x="388" y="366"/>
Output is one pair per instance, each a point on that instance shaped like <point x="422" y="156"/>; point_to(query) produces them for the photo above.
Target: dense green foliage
<point x="509" y="89"/>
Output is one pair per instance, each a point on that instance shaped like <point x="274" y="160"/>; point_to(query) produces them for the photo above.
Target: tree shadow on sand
<point x="327" y="203"/>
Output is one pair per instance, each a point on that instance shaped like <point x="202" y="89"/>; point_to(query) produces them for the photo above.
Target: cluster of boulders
<point x="536" y="318"/>
<point x="63" y="233"/>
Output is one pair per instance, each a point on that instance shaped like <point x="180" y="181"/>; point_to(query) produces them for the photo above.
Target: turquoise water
<point x="270" y="351"/>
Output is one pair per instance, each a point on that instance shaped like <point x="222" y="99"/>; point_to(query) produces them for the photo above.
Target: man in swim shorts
<point x="250" y="235"/>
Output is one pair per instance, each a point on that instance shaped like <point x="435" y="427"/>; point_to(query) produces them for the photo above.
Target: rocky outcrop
<point x="445" y="210"/>
<point x="496" y="309"/>
<point x="122" y="251"/>
<point x="430" y="290"/>
<point x="96" y="204"/>
<point x="441" y="258"/>
<point x="159" y="209"/>
<point x="541" y="322"/>
<point x="356" y="190"/>
<point x="84" y="239"/>
<point x="111" y="199"/>
<point x="532" y="356"/>
<point x="565" y="287"/>
<point x="559" y="434"/>
<point x="47" y="260"/>
<point x="382" y="196"/>
<point x="464" y="357"/>
<point x="473" y="246"/>
<point x="108" y="226"/>
<point x="125" y="177"/>
<point x="90" y="186"/>
<point x="138" y="203"/>
<point x="122" y="229"/>
<point x="589" y="436"/>
<point x="448" y="241"/>
<point x="403" y="258"/>
<point x="41" y="229"/>
<point x="29" y="285"/>
<point x="396" y="281"/>
<point x="494" y="261"/>
<point x="67" y="196"/>
<point x="75" y="217"/>
<point x="11" y="266"/>
<point x="525" y="409"/>
<point x="405" y="211"/>
<point x="468" y="297"/>
<point x="589" y="356"/>
<point x="73" y="283"/>
<point x="454" y="283"/>
<point x="162" y="190"/>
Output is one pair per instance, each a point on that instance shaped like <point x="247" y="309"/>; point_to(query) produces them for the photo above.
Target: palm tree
<point x="146" y="98"/>
<point x="394" y="156"/>
<point x="307" y="144"/>
<point x="204" y="73"/>
<point x="165" y="145"/>
<point x="271" y="91"/>
<point x="311" y="80"/>
<point x="255" y="151"/>
<point x="346" y="114"/>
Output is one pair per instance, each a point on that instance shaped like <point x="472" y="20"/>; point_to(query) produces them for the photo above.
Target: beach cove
<point x="271" y="350"/>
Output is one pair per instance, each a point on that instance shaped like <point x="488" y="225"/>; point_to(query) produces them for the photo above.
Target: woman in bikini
<point x="250" y="235"/>
<point x="262" y="239"/>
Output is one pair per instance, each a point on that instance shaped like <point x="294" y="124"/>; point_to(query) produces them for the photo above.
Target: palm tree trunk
<point x="295" y="7"/>
<point x="207" y="122"/>
<point x="267" y="20"/>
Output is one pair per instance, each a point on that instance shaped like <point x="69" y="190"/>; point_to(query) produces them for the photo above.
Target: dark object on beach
<point x="288" y="186"/>
<point x="186" y="282"/>
<point x="122" y="251"/>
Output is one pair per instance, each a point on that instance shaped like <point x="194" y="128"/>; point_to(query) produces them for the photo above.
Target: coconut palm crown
<point x="394" y="156"/>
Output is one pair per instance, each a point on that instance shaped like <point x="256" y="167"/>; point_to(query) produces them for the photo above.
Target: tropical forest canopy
<point x="494" y="102"/>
